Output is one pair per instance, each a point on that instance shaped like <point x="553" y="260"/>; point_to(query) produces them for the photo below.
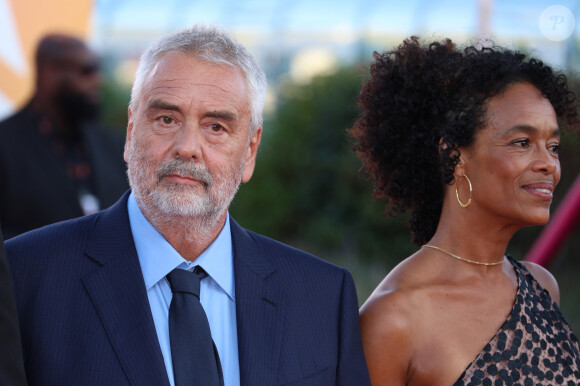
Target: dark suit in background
<point x="37" y="187"/>
<point x="11" y="366"/>
<point x="85" y="316"/>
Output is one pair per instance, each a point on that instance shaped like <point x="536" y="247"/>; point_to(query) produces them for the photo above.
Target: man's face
<point x="80" y="84"/>
<point x="188" y="142"/>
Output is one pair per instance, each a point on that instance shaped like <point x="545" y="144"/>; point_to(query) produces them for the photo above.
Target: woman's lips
<point x="542" y="190"/>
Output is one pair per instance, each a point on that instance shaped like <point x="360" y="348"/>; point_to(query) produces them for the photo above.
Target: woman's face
<point x="513" y="164"/>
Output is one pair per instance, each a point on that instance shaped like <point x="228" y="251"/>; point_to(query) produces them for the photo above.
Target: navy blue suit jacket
<point x="85" y="317"/>
<point x="11" y="365"/>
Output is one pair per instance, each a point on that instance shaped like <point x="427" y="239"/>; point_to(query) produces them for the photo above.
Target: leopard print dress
<point x="535" y="345"/>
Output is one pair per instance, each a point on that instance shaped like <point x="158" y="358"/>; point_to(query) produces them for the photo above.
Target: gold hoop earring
<point x="457" y="192"/>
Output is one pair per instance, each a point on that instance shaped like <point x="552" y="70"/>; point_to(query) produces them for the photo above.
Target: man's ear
<point x="251" y="154"/>
<point x="128" y="135"/>
<point x="48" y="80"/>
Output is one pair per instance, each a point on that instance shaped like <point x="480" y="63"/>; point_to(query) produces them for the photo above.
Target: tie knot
<point x="181" y="280"/>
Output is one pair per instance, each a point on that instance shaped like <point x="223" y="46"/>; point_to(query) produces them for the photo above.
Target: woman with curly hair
<point x="467" y="141"/>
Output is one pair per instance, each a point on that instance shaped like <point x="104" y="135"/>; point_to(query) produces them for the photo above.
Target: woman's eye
<point x="555" y="149"/>
<point x="521" y="142"/>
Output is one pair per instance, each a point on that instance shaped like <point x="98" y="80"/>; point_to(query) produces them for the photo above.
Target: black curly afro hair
<point x="420" y="97"/>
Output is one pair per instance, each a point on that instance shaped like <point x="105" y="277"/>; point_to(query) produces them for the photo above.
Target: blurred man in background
<point x="56" y="163"/>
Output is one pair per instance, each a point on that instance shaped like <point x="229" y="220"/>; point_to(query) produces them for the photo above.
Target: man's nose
<point x="188" y="142"/>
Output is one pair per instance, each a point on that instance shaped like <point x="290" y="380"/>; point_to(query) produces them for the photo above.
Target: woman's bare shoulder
<point x="545" y="278"/>
<point x="389" y="324"/>
<point x="393" y="294"/>
<point x="388" y="308"/>
<point x="397" y="295"/>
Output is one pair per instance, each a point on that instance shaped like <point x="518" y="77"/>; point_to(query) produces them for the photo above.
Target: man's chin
<point x="181" y="206"/>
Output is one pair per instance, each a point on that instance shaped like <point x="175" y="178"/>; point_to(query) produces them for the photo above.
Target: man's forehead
<point x="167" y="64"/>
<point x="178" y="74"/>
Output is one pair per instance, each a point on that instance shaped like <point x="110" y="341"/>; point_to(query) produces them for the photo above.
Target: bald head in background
<point x="68" y="80"/>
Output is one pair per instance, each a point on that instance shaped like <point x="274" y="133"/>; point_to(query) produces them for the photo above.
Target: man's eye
<point x="167" y="120"/>
<point x="216" y="128"/>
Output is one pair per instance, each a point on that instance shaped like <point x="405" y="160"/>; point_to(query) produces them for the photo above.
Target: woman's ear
<point x="461" y="167"/>
<point x="442" y="145"/>
<point x="460" y="153"/>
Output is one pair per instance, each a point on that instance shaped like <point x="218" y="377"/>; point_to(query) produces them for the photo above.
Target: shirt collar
<point x="157" y="257"/>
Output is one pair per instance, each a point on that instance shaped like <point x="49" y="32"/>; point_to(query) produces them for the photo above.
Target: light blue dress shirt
<point x="157" y="258"/>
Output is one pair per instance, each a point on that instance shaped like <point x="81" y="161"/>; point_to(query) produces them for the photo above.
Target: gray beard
<point x="195" y="208"/>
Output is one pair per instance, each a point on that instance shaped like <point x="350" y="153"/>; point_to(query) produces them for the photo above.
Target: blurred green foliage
<point x="115" y="104"/>
<point x="308" y="189"/>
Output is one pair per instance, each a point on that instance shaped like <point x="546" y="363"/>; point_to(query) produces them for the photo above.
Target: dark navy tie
<point x="195" y="358"/>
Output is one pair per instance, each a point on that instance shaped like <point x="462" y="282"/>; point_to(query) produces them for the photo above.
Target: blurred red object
<point x="544" y="250"/>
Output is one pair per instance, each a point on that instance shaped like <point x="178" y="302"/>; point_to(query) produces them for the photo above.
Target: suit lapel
<point x="117" y="291"/>
<point x="259" y="310"/>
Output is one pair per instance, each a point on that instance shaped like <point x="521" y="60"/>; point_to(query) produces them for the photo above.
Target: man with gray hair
<point x="164" y="287"/>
